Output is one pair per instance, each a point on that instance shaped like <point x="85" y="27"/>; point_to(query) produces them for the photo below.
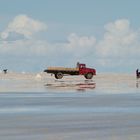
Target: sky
<point x="104" y="34"/>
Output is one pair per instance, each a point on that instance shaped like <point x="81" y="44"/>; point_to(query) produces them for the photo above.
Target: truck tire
<point x="59" y="75"/>
<point x="89" y="75"/>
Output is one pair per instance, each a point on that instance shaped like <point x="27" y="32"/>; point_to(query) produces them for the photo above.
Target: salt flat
<point x="39" y="107"/>
<point x="42" y="82"/>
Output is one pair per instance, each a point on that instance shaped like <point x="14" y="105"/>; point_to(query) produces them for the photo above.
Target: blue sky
<point x="101" y="33"/>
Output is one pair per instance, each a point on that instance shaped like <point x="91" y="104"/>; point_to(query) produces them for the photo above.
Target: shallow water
<point x="106" y="109"/>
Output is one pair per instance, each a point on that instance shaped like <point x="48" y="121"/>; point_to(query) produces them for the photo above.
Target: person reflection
<point x="137" y="84"/>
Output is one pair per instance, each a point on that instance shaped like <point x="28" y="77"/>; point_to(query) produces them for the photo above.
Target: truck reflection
<point x="65" y="85"/>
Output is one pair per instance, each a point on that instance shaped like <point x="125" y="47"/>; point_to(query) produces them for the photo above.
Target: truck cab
<point x="87" y="72"/>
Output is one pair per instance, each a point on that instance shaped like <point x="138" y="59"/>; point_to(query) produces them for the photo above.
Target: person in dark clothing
<point x="5" y="71"/>
<point x="137" y="73"/>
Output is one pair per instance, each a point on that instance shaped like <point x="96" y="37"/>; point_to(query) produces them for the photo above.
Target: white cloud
<point x="119" y="49"/>
<point x="120" y="26"/>
<point x="118" y="41"/>
<point x="80" y="45"/>
<point x="23" y="25"/>
<point x="83" y="41"/>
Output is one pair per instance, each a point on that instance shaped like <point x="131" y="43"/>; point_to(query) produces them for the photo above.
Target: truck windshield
<point x="82" y="66"/>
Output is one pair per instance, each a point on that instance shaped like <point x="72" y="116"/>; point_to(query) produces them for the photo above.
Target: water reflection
<point x="71" y="85"/>
<point x="137" y="83"/>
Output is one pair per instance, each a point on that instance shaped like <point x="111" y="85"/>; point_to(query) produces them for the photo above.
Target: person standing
<point x="137" y="73"/>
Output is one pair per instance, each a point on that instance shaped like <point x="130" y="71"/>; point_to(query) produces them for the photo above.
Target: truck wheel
<point x="59" y="75"/>
<point x="89" y="76"/>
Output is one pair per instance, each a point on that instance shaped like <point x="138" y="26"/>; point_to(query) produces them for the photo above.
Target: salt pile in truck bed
<point x="63" y="69"/>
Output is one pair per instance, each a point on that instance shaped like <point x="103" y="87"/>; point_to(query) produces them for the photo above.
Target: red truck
<point x="80" y="69"/>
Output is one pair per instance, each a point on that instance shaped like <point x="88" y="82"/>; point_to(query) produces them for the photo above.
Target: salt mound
<point x="23" y="72"/>
<point x="38" y="76"/>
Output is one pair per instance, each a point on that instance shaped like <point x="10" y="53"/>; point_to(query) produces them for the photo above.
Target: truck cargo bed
<point x="71" y="71"/>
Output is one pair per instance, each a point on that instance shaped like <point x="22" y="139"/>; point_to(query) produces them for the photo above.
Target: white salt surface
<point x="42" y="82"/>
<point x="39" y="107"/>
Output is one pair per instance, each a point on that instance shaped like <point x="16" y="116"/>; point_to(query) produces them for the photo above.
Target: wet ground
<point x="38" y="107"/>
